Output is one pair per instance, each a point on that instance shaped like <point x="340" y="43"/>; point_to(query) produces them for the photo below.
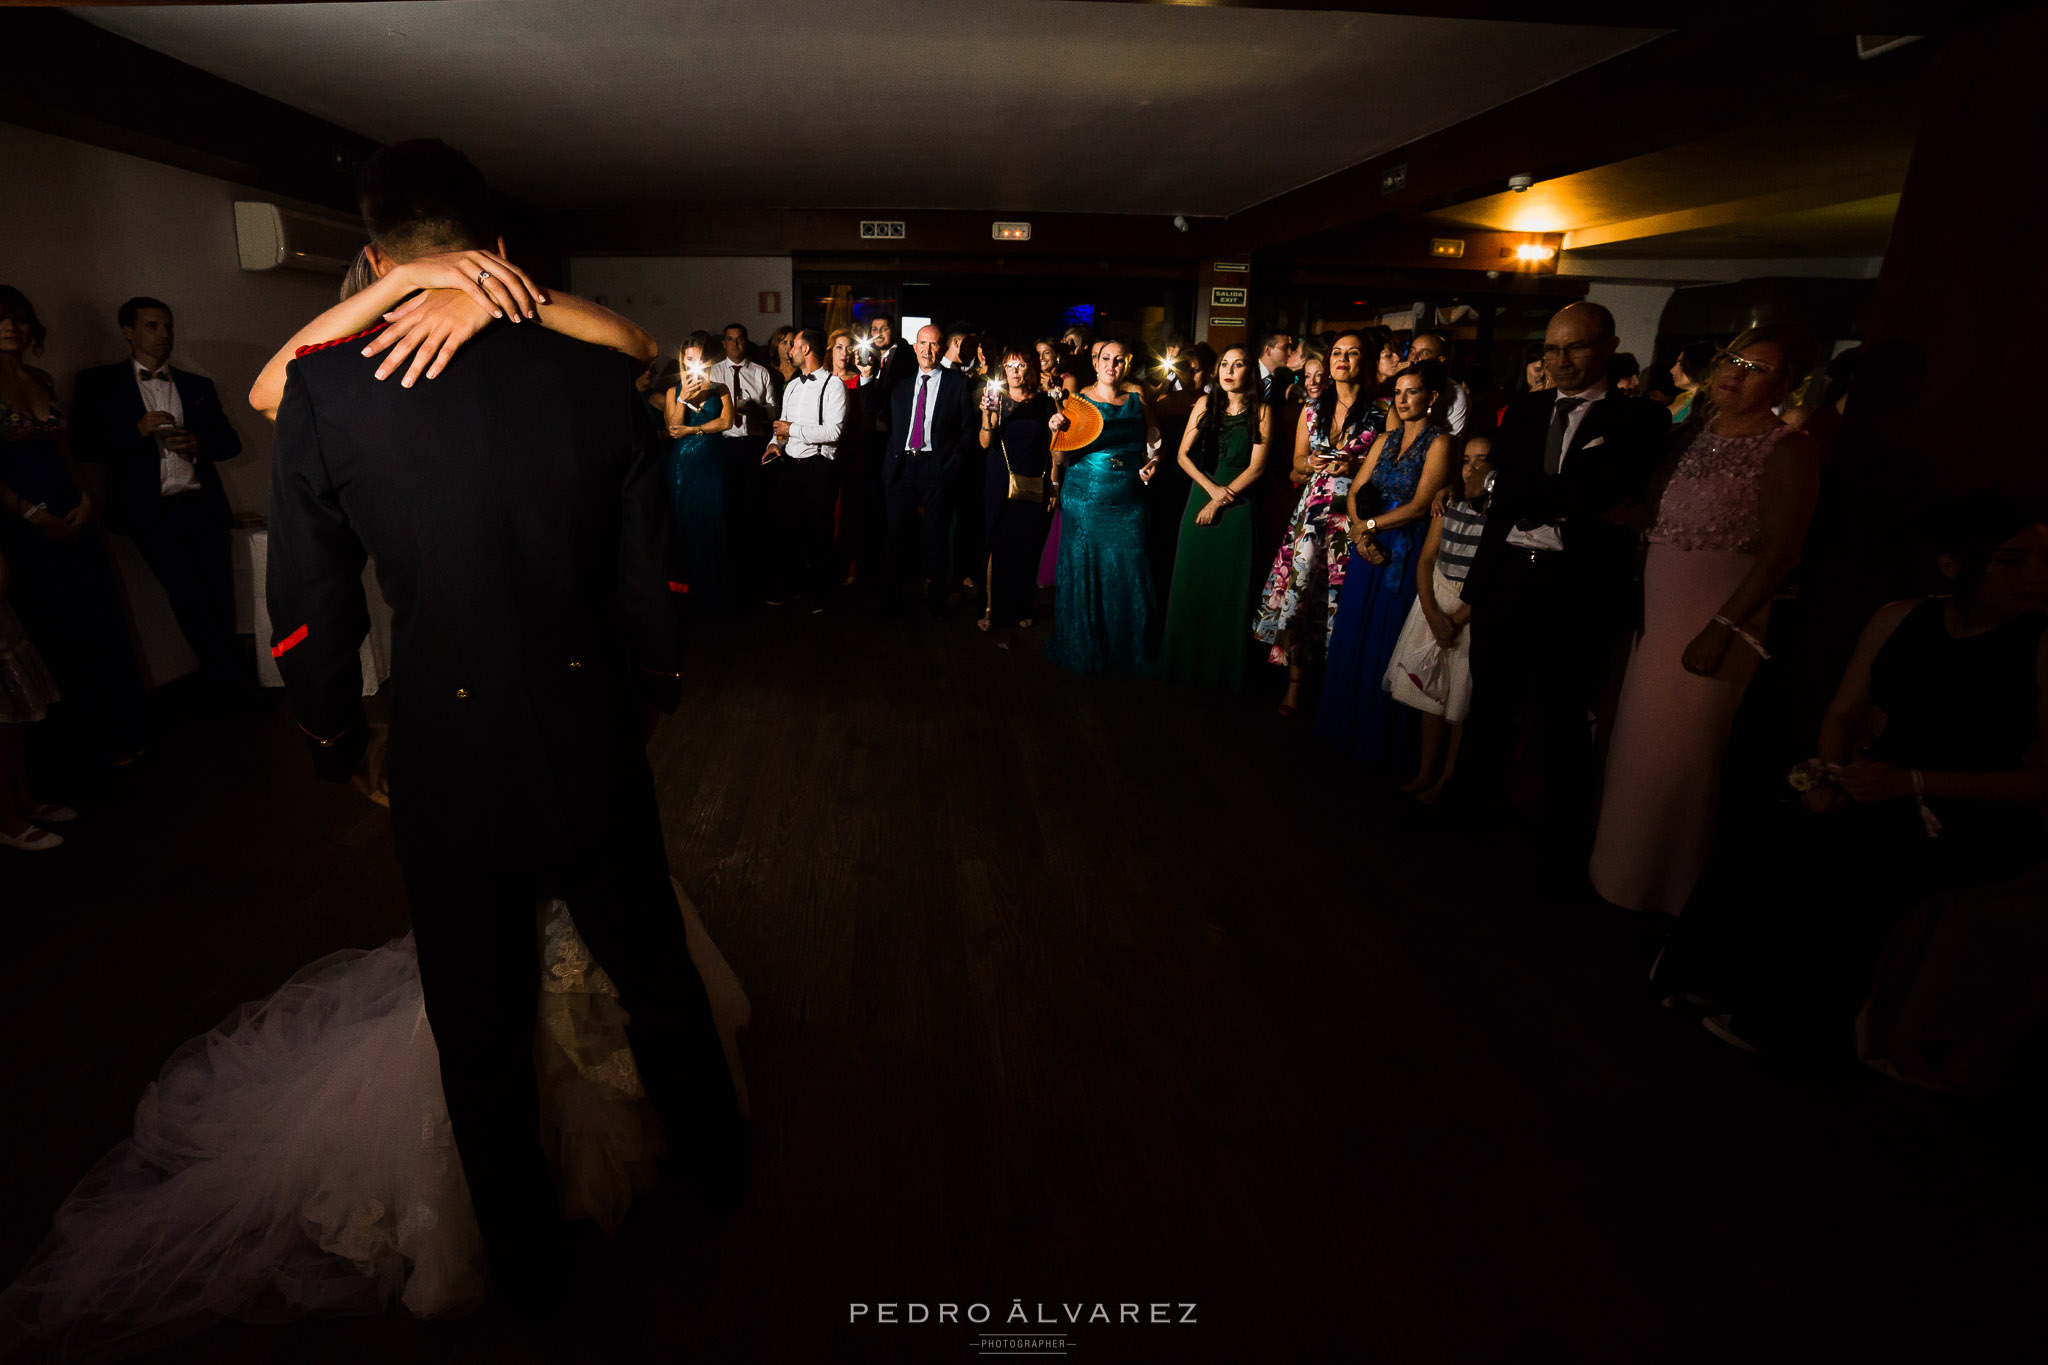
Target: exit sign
<point x="881" y="230"/>
<point x="1226" y="298"/>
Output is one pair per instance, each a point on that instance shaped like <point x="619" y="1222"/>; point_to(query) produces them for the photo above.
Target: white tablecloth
<point x="252" y="556"/>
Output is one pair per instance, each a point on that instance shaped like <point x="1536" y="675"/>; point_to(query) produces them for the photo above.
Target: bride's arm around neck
<point x="446" y="279"/>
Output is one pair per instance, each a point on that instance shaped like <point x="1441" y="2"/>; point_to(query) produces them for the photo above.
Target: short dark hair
<point x="1621" y="365"/>
<point x="129" y="311"/>
<point x="1272" y="339"/>
<point x="1431" y="372"/>
<point x="1696" y="359"/>
<point x="1971" y="526"/>
<point x="423" y="196"/>
<point x="814" y="339"/>
<point x="14" y="304"/>
<point x="739" y="327"/>
<point x="701" y="340"/>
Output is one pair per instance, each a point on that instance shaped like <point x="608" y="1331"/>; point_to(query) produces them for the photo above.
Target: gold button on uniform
<point x="575" y="663"/>
<point x="462" y="694"/>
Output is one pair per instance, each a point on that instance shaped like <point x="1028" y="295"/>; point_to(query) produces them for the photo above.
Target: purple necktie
<point x="917" y="416"/>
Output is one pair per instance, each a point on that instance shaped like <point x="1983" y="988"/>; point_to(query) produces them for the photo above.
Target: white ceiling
<point x="1024" y="105"/>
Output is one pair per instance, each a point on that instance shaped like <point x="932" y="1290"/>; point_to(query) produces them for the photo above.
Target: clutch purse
<point x="1023" y="487"/>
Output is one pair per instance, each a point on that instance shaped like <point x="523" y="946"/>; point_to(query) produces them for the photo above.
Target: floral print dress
<point x="1298" y="606"/>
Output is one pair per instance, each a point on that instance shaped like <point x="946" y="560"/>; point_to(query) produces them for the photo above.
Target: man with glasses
<point x="1553" y="588"/>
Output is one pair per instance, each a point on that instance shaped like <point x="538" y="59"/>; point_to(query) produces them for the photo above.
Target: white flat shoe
<point x="32" y="840"/>
<point x="53" y="815"/>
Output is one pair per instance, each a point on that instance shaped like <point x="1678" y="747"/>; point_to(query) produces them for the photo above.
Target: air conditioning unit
<point x="271" y="237"/>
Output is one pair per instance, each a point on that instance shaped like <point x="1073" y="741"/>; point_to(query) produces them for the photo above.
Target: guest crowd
<point x="1550" y="604"/>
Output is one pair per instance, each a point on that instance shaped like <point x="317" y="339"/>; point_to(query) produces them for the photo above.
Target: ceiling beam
<point x="1583" y="121"/>
<point x="1821" y="194"/>
<point x="1728" y="16"/>
<point x="80" y="81"/>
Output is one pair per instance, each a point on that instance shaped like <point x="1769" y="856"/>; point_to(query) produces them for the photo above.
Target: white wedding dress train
<point x="298" y="1159"/>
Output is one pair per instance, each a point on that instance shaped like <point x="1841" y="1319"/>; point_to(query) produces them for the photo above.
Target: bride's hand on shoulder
<point x="427" y="330"/>
<point x="498" y="286"/>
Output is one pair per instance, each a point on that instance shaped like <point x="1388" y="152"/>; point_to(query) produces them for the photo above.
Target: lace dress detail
<point x="299" y="1159"/>
<point x="1711" y="498"/>
<point x="26" y="687"/>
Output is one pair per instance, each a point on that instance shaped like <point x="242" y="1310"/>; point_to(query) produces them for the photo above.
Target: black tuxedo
<point x="182" y="536"/>
<point x="1549" y="627"/>
<point x="891" y="366"/>
<point x="911" y="481"/>
<point x="518" y="515"/>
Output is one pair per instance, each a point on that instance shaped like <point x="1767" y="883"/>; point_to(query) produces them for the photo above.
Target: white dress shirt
<point x="1547" y="536"/>
<point x="814" y="405"/>
<point x="1454" y="408"/>
<point x="748" y="382"/>
<point x="175" y="472"/>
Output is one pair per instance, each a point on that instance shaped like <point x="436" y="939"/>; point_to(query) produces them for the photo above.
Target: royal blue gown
<point x="696" y="485"/>
<point x="1105" y="580"/>
<point x="1357" y="715"/>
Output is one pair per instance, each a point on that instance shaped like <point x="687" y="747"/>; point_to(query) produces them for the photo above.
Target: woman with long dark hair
<point x="1208" y="640"/>
<point x="698" y="411"/>
<point x="1928" y="777"/>
<point x="1298" y="605"/>
<point x="1386" y="514"/>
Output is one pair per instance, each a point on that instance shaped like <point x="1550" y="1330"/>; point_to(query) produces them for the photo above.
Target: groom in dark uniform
<point x="519" y="524"/>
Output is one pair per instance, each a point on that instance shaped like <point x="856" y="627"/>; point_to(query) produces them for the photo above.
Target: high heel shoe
<point x="32" y="840"/>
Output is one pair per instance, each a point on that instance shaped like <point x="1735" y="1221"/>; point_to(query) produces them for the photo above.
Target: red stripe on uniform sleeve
<point x="674" y="586"/>
<point x="297" y="637"/>
<point x="339" y="341"/>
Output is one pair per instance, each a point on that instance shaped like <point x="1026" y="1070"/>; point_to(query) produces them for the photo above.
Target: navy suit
<point x="924" y="480"/>
<point x="183" y="536"/>
<point x="518" y="514"/>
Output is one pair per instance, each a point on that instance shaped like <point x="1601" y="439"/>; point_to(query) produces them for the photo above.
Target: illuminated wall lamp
<point x="1534" y="251"/>
<point x="1010" y="232"/>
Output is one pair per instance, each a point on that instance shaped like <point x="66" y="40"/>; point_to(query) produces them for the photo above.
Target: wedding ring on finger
<point x="481" y="276"/>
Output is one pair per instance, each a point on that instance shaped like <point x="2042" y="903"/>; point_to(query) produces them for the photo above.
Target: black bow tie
<point x="164" y="373"/>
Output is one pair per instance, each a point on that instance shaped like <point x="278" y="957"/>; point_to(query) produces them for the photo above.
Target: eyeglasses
<point x="1747" y="366"/>
<point x="1577" y="350"/>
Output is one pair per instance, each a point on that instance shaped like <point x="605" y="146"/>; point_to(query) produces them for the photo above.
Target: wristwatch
<point x="1371" y="524"/>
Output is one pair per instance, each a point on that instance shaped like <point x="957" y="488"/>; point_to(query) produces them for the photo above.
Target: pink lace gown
<point x="1664" y="761"/>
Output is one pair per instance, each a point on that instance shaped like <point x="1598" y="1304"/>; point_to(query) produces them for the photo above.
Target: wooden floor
<point x="1076" y="991"/>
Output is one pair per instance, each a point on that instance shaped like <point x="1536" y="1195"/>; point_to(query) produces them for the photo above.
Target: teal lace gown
<point x="696" y="485"/>
<point x="1105" y="581"/>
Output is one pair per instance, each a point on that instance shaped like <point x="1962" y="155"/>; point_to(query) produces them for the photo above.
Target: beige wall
<point x="86" y="228"/>
<point x="82" y="230"/>
<point x="672" y="296"/>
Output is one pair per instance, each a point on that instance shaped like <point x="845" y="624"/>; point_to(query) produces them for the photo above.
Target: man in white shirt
<point x="753" y="407"/>
<point x="804" y="454"/>
<point x="158" y="432"/>
<point x="1454" y="405"/>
